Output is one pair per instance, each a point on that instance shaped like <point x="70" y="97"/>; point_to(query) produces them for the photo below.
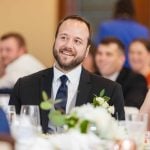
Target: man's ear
<point x="122" y="59"/>
<point x="22" y="50"/>
<point x="87" y="50"/>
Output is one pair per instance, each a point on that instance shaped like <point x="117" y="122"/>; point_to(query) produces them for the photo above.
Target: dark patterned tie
<point x="62" y="94"/>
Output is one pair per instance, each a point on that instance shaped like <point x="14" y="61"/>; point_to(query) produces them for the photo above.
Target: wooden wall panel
<point x="143" y="11"/>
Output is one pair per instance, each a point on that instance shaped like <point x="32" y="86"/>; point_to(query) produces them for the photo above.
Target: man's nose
<point x="69" y="43"/>
<point x="102" y="57"/>
<point x="3" y="53"/>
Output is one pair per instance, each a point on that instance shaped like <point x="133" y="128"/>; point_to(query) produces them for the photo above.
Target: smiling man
<point x="67" y="79"/>
<point x="109" y="58"/>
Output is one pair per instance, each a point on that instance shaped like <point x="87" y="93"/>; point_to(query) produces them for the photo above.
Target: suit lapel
<point x="84" y="88"/>
<point x="46" y="81"/>
<point x="46" y="85"/>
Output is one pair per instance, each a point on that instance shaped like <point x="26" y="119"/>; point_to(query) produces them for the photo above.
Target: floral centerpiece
<point x="95" y="117"/>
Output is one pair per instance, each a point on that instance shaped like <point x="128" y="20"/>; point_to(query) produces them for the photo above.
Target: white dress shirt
<point x="72" y="83"/>
<point x="112" y="77"/>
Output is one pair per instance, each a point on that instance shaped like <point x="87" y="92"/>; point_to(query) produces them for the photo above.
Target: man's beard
<point x="67" y="66"/>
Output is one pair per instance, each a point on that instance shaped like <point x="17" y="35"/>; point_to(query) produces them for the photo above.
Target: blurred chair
<point x="6" y="142"/>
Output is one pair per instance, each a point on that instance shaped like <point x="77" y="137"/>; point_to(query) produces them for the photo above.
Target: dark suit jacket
<point x="27" y="91"/>
<point x="134" y="87"/>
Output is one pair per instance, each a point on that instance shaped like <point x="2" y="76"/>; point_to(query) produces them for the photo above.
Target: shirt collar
<point x="73" y="75"/>
<point x="112" y="77"/>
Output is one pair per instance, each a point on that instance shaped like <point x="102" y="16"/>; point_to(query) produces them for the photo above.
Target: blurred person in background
<point x="89" y="62"/>
<point x="16" y="61"/>
<point x="122" y="26"/>
<point x="109" y="58"/>
<point x="2" y="66"/>
<point x="139" y="58"/>
<point x="4" y="126"/>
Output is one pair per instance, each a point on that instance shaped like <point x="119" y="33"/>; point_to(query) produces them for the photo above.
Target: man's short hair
<point x="110" y="40"/>
<point x="78" y="18"/>
<point x="19" y="38"/>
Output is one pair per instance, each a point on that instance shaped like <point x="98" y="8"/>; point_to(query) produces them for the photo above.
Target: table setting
<point x="87" y="127"/>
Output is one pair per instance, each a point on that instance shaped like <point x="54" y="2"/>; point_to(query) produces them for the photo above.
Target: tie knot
<point x="63" y="79"/>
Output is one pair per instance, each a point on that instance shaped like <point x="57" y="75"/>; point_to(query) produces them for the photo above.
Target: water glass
<point x="31" y="111"/>
<point x="11" y="113"/>
<point x="136" y="125"/>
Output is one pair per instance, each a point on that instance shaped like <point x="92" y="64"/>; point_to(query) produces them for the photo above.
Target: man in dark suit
<point x="109" y="58"/>
<point x="71" y="46"/>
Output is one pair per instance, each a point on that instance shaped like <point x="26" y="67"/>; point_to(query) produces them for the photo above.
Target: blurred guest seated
<point x="139" y="58"/>
<point x="4" y="126"/>
<point x="2" y="66"/>
<point x="89" y="62"/>
<point x="110" y="57"/>
<point x="16" y="60"/>
<point x="145" y="108"/>
<point x="123" y="26"/>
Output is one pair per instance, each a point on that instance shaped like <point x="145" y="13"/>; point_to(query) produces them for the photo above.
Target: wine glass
<point x="31" y="111"/>
<point x="11" y="113"/>
<point x="136" y="125"/>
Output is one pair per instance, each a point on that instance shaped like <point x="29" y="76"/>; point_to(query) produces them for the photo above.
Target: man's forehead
<point x="10" y="39"/>
<point x="74" y="21"/>
<point x="72" y="24"/>
<point x="110" y="46"/>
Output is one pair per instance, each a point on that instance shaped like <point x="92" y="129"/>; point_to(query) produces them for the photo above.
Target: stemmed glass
<point x="32" y="112"/>
<point x="136" y="125"/>
<point x="11" y="113"/>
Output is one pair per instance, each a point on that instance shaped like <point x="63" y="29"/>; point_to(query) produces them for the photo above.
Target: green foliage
<point x="102" y="96"/>
<point x="95" y="102"/>
<point x="72" y="121"/>
<point x="46" y="105"/>
<point x="44" y="96"/>
<point x="102" y="92"/>
<point x="57" y="118"/>
<point x="106" y="98"/>
<point x="84" y="126"/>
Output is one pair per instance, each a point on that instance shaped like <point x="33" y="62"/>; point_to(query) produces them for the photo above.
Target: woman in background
<point x="139" y="58"/>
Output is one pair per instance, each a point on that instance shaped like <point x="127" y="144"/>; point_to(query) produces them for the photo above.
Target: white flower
<point x="111" y="109"/>
<point x="107" y="127"/>
<point x="105" y="105"/>
<point x="100" y="100"/>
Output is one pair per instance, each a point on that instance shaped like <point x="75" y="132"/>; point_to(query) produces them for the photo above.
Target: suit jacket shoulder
<point x="134" y="87"/>
<point x="27" y="90"/>
<point x="91" y="85"/>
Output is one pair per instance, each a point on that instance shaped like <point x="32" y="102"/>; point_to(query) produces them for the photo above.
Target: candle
<point x="125" y="144"/>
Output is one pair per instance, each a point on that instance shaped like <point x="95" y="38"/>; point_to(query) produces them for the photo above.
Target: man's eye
<point x="63" y="37"/>
<point x="8" y="49"/>
<point x="78" y="42"/>
<point x="109" y="54"/>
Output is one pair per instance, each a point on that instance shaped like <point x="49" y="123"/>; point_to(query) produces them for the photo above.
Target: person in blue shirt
<point x="123" y="26"/>
<point x="4" y="126"/>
